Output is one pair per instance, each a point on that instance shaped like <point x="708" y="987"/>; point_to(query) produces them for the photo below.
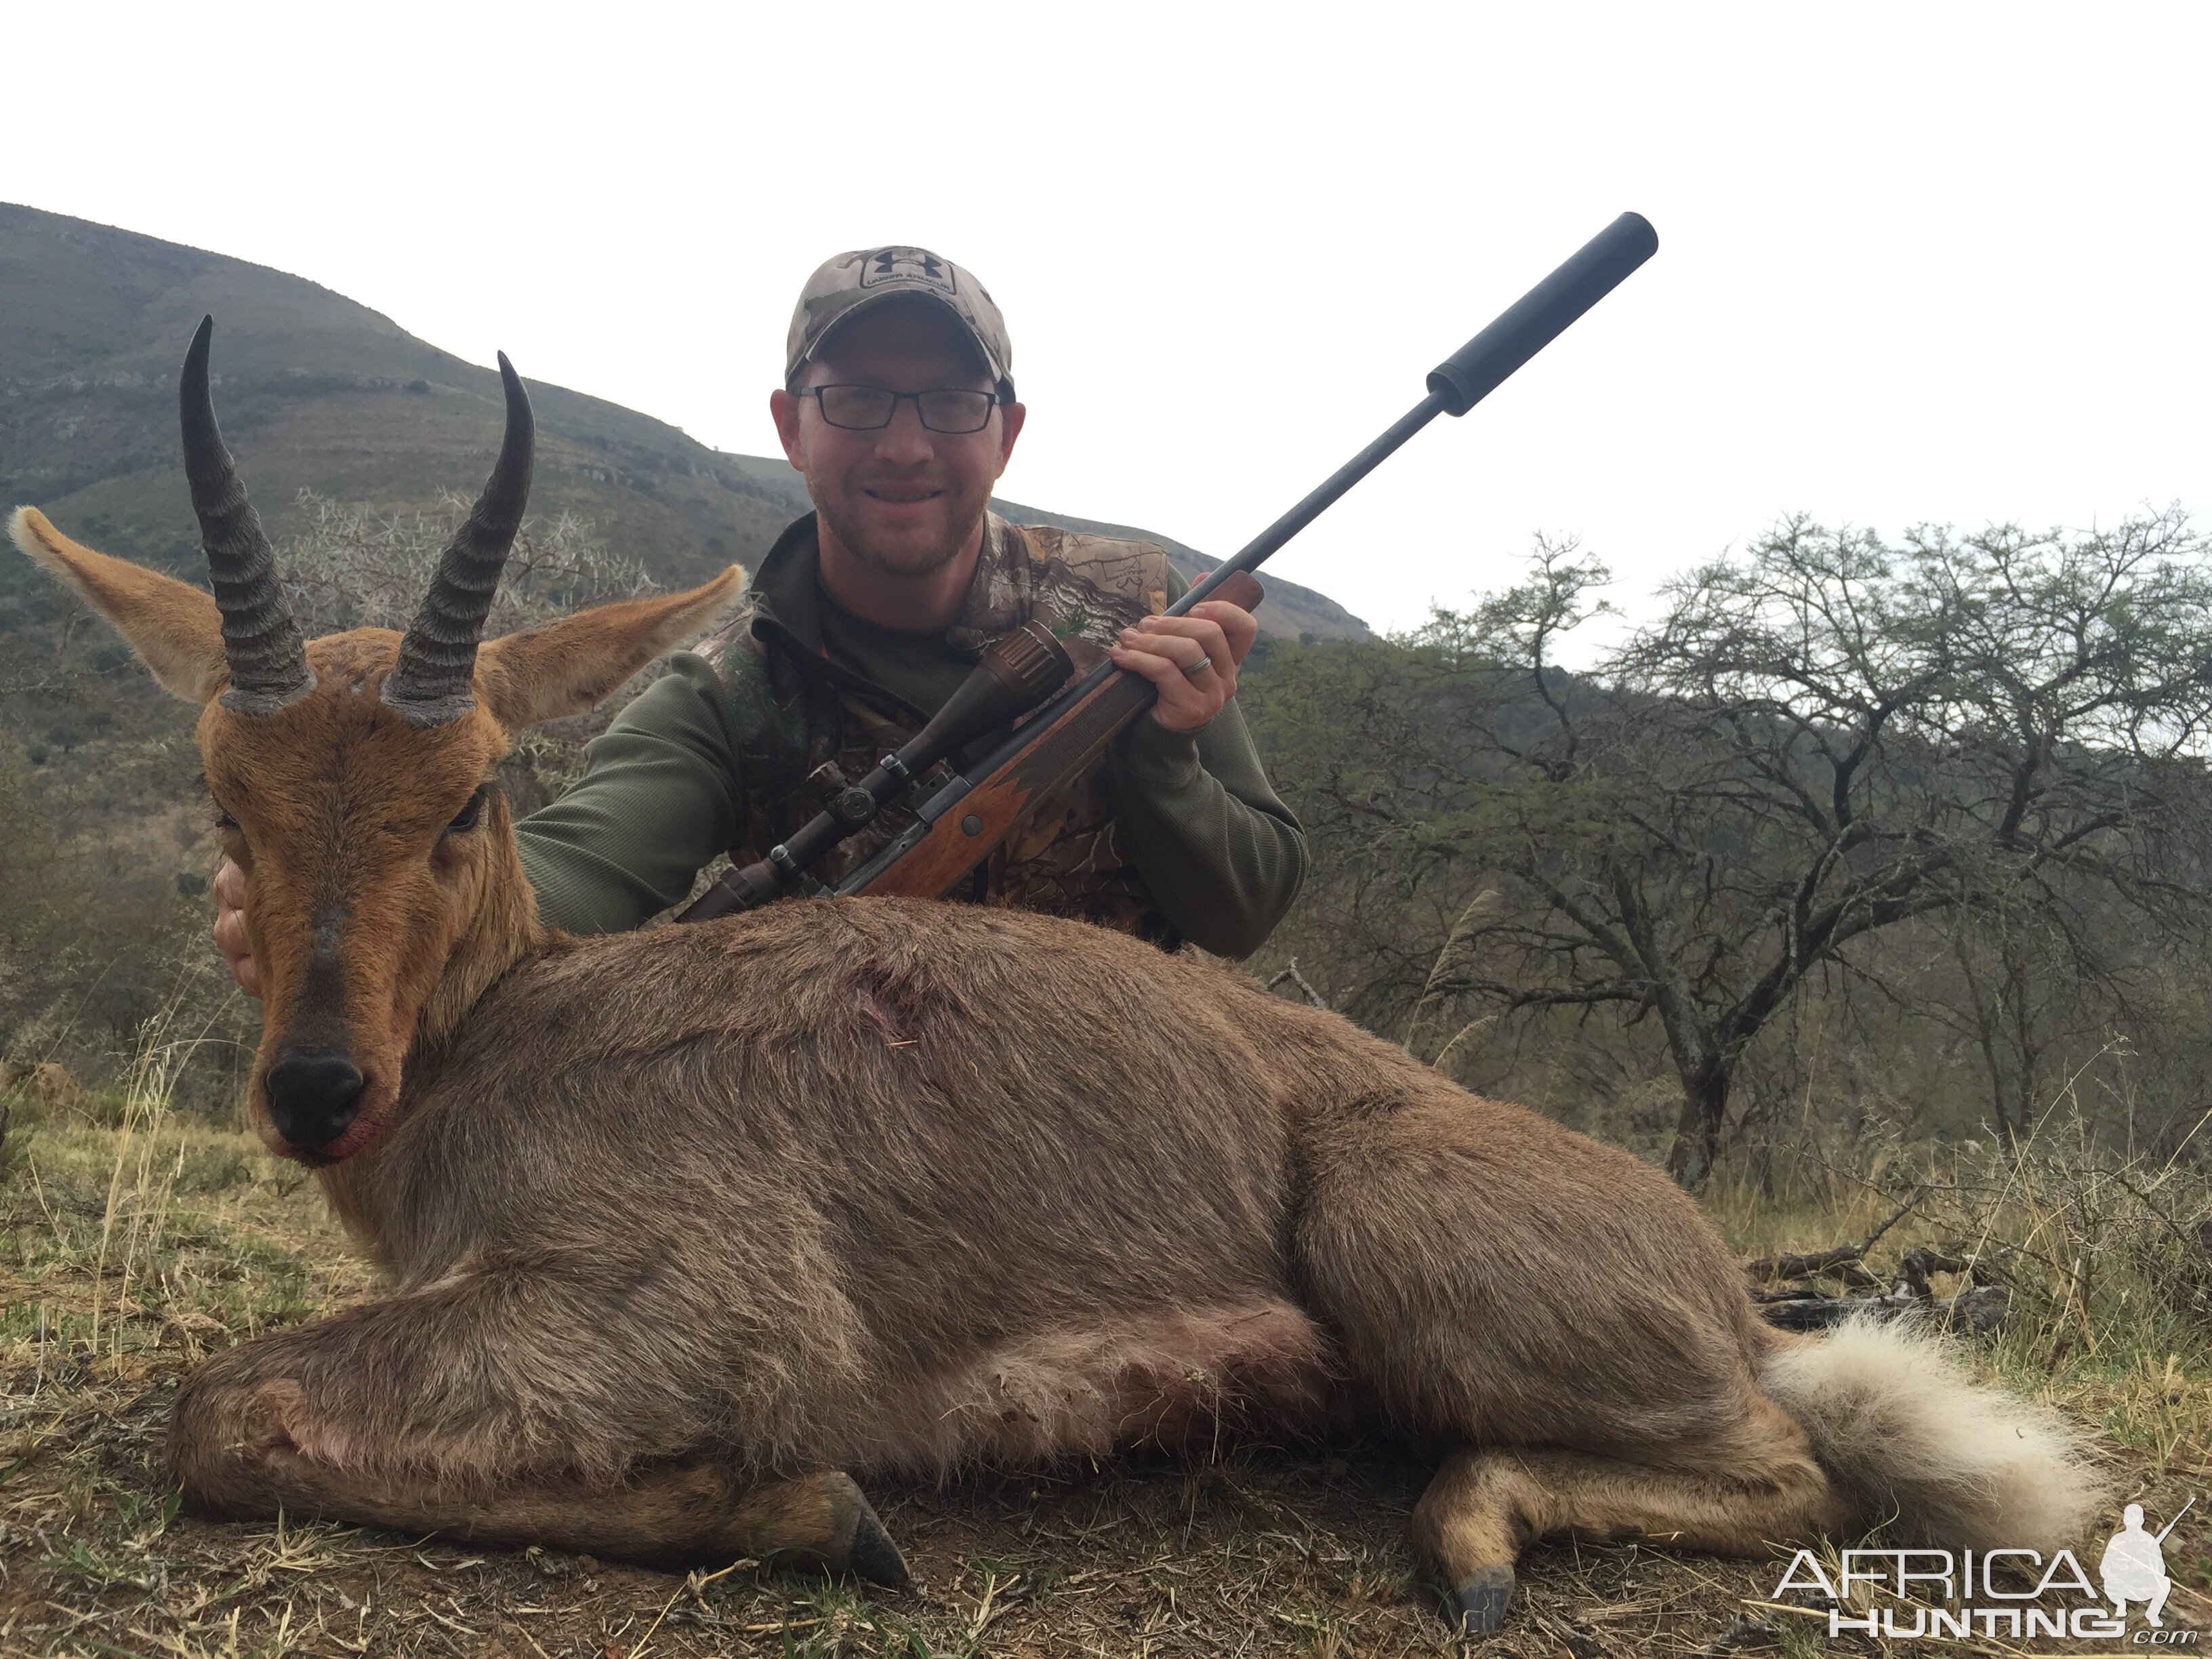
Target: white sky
<point x="1916" y="262"/>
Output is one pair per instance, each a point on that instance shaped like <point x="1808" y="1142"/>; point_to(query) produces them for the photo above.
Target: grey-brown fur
<point x="789" y="1215"/>
<point x="688" y="1228"/>
<point x="871" y="1185"/>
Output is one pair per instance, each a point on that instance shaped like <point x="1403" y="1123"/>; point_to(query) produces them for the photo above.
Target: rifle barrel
<point x="2175" y="1521"/>
<point x="1468" y="376"/>
<point x="1270" y="540"/>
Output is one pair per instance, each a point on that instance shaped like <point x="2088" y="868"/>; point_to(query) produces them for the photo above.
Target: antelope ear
<point x="565" y="667"/>
<point x="173" y="626"/>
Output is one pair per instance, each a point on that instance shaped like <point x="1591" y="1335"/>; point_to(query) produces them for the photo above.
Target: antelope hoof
<point x="1482" y="1599"/>
<point x="872" y="1556"/>
<point x="856" y="1541"/>
<point x="823" y="1521"/>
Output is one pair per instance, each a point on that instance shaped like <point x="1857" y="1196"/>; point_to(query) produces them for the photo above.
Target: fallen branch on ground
<point x="1842" y="1261"/>
<point x="1982" y="1307"/>
<point x="1978" y="1311"/>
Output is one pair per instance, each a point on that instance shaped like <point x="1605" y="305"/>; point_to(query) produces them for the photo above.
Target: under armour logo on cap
<point x="915" y="264"/>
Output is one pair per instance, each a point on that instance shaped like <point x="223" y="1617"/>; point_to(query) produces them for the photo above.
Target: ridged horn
<point x="430" y="683"/>
<point x="267" y="658"/>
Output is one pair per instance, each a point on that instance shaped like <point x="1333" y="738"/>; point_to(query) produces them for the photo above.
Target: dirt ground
<point x="127" y="1253"/>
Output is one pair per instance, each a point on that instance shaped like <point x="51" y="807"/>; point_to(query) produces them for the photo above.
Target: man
<point x="898" y="409"/>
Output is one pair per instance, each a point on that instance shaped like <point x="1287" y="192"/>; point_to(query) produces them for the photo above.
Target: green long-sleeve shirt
<point x="660" y="795"/>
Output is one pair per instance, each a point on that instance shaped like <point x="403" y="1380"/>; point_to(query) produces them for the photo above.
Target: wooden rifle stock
<point x="961" y="828"/>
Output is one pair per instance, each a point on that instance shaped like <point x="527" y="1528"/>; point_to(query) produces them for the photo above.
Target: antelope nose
<point x="313" y="1093"/>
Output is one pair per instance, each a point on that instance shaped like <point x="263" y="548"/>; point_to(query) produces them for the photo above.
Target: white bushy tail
<point x="1902" y="1430"/>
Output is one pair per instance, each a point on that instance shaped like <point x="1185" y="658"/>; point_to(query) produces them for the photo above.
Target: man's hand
<point x="230" y="927"/>
<point x="1211" y="639"/>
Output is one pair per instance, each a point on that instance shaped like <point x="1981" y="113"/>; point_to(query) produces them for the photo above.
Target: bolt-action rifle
<point x="959" y="824"/>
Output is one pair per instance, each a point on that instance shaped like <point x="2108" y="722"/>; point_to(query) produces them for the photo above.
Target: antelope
<point x="688" y="1231"/>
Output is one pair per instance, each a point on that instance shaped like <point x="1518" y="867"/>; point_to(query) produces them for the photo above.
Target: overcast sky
<point x="1926" y="262"/>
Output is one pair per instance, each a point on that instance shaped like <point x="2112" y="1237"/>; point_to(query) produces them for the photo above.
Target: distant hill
<point x="316" y="392"/>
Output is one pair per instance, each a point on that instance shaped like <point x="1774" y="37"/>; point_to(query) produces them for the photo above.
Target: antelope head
<point x="353" y="775"/>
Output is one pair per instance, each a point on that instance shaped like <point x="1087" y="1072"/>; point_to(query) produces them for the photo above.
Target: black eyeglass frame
<point x="994" y="400"/>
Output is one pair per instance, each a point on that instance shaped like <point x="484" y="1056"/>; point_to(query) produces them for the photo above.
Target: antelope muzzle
<point x="314" y="1094"/>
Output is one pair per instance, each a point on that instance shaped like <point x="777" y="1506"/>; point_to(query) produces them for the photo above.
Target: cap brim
<point x="890" y="290"/>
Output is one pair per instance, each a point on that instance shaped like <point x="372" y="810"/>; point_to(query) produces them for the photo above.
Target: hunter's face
<point x="902" y="498"/>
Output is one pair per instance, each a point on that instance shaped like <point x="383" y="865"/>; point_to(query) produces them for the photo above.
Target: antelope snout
<point x="313" y="1093"/>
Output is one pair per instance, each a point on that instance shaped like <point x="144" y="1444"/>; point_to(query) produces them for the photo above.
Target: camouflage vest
<point x="1062" y="857"/>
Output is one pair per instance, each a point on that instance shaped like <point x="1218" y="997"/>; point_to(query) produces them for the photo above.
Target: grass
<point x="133" y="1246"/>
<point x="2108" y="1262"/>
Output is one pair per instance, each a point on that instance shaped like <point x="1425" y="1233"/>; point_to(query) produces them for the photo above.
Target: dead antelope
<point x="687" y="1228"/>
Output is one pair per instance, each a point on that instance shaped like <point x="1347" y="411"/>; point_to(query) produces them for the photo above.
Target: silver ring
<point x="1199" y="667"/>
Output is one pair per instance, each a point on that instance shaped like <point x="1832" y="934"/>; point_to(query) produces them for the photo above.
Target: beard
<point x="916" y="550"/>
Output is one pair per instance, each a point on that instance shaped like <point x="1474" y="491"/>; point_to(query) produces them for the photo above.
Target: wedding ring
<point x="1199" y="667"/>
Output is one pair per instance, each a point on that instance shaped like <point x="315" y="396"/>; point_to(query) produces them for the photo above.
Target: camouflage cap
<point x="842" y="285"/>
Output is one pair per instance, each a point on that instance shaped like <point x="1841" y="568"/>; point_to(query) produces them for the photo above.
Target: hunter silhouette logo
<point x="1963" y="1593"/>
<point x="2134" y="1565"/>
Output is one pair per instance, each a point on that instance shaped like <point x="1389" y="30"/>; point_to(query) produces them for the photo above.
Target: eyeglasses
<point x="870" y="408"/>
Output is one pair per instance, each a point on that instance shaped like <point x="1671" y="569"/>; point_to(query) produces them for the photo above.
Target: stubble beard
<point x="909" y="560"/>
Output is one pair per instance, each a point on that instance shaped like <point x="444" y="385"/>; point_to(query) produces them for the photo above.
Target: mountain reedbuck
<point x="687" y="1228"/>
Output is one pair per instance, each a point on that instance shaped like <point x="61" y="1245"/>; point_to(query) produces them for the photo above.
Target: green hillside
<point x="319" y="393"/>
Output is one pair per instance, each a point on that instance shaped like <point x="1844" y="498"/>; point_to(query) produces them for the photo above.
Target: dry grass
<point x="130" y="1251"/>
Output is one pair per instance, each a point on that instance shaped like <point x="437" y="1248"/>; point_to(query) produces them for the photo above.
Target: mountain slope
<point x="319" y="393"/>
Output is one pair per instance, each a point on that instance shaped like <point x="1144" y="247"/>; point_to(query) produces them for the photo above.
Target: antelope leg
<point x="457" y="1409"/>
<point x="677" y="1513"/>
<point x="1485" y="1504"/>
<point x="674" y="1514"/>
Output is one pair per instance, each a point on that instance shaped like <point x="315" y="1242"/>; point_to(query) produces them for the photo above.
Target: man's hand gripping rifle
<point x="959" y="825"/>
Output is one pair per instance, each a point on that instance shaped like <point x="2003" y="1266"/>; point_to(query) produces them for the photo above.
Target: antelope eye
<point x="466" y="818"/>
